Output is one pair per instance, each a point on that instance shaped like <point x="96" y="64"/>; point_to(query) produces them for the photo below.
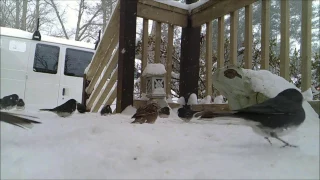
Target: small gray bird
<point x="81" y="108"/>
<point x="20" y="104"/>
<point x="274" y="117"/>
<point x="186" y="113"/>
<point x="164" y="112"/>
<point x="106" y="110"/>
<point x="9" y="102"/>
<point x="64" y="110"/>
<point x="23" y="121"/>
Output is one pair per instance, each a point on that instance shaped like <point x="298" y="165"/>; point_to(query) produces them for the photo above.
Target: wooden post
<point x="85" y="96"/>
<point x="209" y="58"/>
<point x="144" y="61"/>
<point x="284" y="46"/>
<point x="248" y="37"/>
<point x="265" y="34"/>
<point x="157" y="43"/>
<point x="220" y="62"/>
<point x="169" y="59"/>
<point x="306" y="45"/>
<point x="234" y="18"/>
<point x="127" y="38"/>
<point x="190" y="54"/>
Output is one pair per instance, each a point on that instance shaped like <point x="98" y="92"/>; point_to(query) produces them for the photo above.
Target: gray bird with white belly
<point x="64" y="110"/>
<point x="274" y="117"/>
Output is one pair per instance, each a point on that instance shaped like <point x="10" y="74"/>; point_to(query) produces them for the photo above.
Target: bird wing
<point x="271" y="106"/>
<point x="65" y="107"/>
<point x="141" y="114"/>
<point x="19" y="120"/>
<point x="144" y="111"/>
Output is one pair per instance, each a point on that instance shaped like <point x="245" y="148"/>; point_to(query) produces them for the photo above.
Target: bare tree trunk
<point x="36" y="15"/>
<point x="82" y="30"/>
<point x="17" y="23"/>
<point x="24" y="15"/>
<point x="104" y="13"/>
<point x="37" y="9"/>
<point x="80" y="12"/>
<point x="59" y="18"/>
<point x="111" y="8"/>
<point x="153" y="29"/>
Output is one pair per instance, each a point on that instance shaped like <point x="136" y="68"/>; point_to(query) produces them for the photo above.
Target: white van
<point x="43" y="73"/>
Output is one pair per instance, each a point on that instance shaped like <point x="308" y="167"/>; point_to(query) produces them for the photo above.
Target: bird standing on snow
<point x="274" y="117"/>
<point x="81" y="108"/>
<point x="146" y="114"/>
<point x="9" y="102"/>
<point x="164" y="112"/>
<point x="64" y="110"/>
<point x="185" y="113"/>
<point x="20" y="104"/>
<point x="19" y="120"/>
<point x="106" y="110"/>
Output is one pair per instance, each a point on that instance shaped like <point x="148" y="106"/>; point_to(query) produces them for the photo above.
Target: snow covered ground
<point x="88" y="146"/>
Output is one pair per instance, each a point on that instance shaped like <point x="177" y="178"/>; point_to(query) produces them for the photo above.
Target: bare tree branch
<point x="59" y="17"/>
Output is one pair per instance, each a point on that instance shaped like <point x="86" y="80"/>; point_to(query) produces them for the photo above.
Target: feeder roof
<point x="154" y="69"/>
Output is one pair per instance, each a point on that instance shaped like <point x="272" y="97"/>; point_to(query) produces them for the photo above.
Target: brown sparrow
<point x="146" y="114"/>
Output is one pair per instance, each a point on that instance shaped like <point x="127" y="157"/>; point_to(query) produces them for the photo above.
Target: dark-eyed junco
<point x="20" y="104"/>
<point x="64" y="110"/>
<point x="106" y="110"/>
<point x="9" y="102"/>
<point x="81" y="108"/>
<point x="164" y="112"/>
<point x="185" y="113"/>
<point x="274" y="117"/>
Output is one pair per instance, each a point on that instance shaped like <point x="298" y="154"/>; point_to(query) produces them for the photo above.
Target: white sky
<point x="71" y="14"/>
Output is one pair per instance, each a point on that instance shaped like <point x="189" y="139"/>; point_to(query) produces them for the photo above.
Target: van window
<point x="76" y="61"/>
<point x="46" y="58"/>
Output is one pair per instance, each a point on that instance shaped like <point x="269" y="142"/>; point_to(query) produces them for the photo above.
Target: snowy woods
<point x="92" y="16"/>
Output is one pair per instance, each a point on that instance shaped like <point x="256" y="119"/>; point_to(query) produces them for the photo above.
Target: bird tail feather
<point x="225" y="117"/>
<point x="19" y="120"/>
<point x="45" y="110"/>
<point x="210" y="114"/>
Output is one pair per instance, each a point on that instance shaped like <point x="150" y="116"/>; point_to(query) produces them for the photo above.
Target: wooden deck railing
<point x="107" y="52"/>
<point x="102" y="71"/>
<point x="168" y="65"/>
<point x="212" y="10"/>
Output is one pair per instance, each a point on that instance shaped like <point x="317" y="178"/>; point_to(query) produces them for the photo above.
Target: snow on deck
<point x="88" y="146"/>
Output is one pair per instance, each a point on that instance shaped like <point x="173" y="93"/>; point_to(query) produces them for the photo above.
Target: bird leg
<point x="268" y="140"/>
<point x="274" y="135"/>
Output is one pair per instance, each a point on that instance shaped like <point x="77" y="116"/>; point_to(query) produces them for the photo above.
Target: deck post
<point x="190" y="54"/>
<point x="85" y="95"/>
<point x="306" y="32"/>
<point x="127" y="38"/>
